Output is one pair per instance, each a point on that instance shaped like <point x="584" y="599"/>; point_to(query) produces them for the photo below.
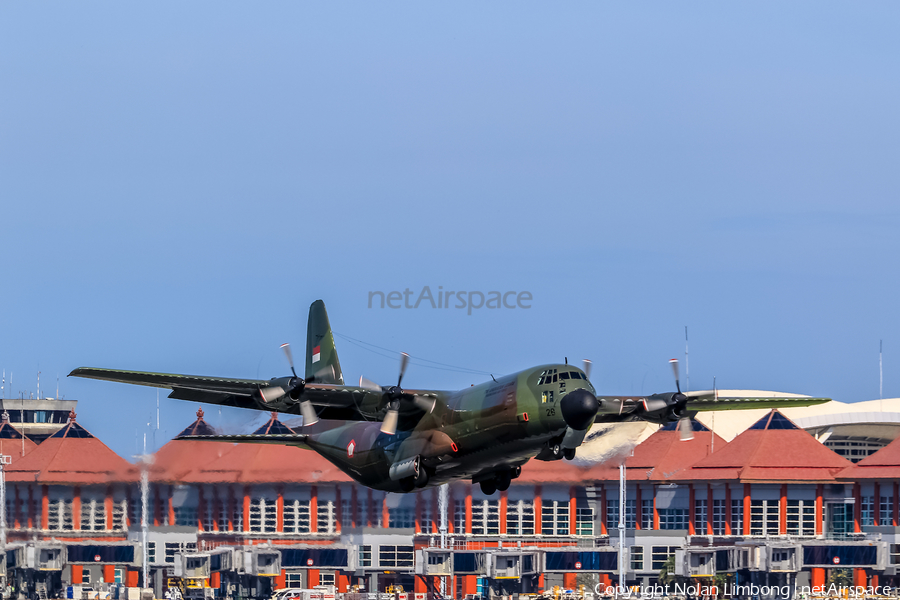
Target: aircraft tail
<point x="321" y="355"/>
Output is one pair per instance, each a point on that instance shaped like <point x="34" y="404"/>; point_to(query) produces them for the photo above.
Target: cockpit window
<point x="575" y="375"/>
<point x="554" y="378"/>
<point x="563" y="375"/>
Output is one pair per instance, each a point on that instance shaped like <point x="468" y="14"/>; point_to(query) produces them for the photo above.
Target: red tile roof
<point x="13" y="443"/>
<point x="883" y="464"/>
<point x="178" y="457"/>
<point x="658" y="458"/>
<point x="263" y="463"/>
<point x="774" y="449"/>
<point x="71" y="455"/>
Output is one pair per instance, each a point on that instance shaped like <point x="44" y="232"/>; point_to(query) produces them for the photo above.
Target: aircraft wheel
<point x="422" y="477"/>
<point x="488" y="486"/>
<point x="556" y="450"/>
<point x="516" y="472"/>
<point x="569" y="453"/>
<point x="503" y="480"/>
<point x="408" y="484"/>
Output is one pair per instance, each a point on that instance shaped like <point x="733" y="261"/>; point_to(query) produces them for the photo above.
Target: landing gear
<point x="552" y="450"/>
<point x="499" y="480"/>
<point x="568" y="453"/>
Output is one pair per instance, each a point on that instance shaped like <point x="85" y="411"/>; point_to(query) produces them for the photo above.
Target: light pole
<point x="5" y="459"/>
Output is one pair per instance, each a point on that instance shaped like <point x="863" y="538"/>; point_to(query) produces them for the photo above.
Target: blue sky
<point x="179" y="181"/>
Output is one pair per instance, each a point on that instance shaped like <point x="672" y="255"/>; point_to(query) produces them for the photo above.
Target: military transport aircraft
<point x="400" y="440"/>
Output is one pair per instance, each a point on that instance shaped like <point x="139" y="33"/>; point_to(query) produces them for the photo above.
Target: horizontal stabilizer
<point x="280" y="439"/>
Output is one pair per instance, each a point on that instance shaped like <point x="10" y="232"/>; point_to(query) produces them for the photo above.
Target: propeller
<point x="294" y="389"/>
<point x="586" y="367"/>
<point x="685" y="428"/>
<point x="395" y="395"/>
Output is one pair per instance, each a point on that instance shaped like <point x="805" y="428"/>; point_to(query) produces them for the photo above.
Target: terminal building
<point x="769" y="504"/>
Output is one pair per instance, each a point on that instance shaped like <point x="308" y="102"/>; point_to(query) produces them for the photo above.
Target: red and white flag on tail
<point x="317" y="354"/>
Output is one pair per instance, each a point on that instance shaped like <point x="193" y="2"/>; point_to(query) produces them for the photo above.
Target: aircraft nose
<point x="579" y="407"/>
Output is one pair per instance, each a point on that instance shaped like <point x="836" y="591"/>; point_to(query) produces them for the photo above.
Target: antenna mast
<point x="687" y="365"/>
<point x="880" y="370"/>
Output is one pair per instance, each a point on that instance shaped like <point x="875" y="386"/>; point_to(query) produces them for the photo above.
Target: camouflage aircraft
<point x="400" y="440"/>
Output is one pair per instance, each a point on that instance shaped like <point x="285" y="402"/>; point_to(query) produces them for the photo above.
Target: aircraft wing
<point x="331" y="401"/>
<point x="279" y="439"/>
<point x="709" y="400"/>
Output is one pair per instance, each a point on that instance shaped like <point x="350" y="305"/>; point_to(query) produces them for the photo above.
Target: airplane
<point x="403" y="440"/>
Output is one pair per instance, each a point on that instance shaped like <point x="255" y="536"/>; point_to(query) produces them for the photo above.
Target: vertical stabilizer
<point x="321" y="355"/>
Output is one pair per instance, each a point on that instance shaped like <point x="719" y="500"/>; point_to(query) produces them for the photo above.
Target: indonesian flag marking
<point x="316" y="354"/>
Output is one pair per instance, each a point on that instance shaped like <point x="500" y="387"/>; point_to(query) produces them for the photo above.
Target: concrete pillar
<point x="504" y="500"/>
<point x="171" y="504"/>
<point x="569" y="581"/>
<point x="469" y="511"/>
<point x="246" y="509"/>
<point x="709" y="510"/>
<point x="77" y="574"/>
<point x="782" y="510"/>
<point x="603" y="529"/>
<point x="572" y="513"/>
<point x="76" y="508"/>
<point x="45" y="507"/>
<point x="818" y="577"/>
<point x="746" y="509"/>
<point x="857" y="509"/>
<point x="820" y="492"/>
<point x="279" y="511"/>
<point x="538" y="507"/>
<point x="727" y="509"/>
<point x="877" y="507"/>
<point x="859" y="577"/>
<point x="692" y="509"/>
<point x="655" y="512"/>
<point x="109" y="573"/>
<point x="338" y="510"/>
<point x="638" y="507"/>
<point x="312" y="576"/>
<point x="314" y="511"/>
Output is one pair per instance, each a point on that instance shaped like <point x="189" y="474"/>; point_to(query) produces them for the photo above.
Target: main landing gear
<point x="499" y="480"/>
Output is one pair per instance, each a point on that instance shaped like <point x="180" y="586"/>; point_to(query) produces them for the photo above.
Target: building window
<point x="120" y="509"/>
<point x="296" y="516"/>
<point x="401" y="518"/>
<point x="737" y="517"/>
<point x="764" y="517"/>
<point x="346" y="513"/>
<point x="700" y="516"/>
<point x="520" y="517"/>
<point x="637" y="558"/>
<point x="801" y="517"/>
<point x="59" y="515"/>
<point x="93" y="515"/>
<point x="326" y="579"/>
<point x="555" y="517"/>
<point x="186" y="516"/>
<point x="646" y="514"/>
<point x="584" y="520"/>
<point x="895" y="554"/>
<point x="365" y="556"/>
<point x="86" y="576"/>
<point x="659" y="556"/>
<point x="718" y="517"/>
<point x="151" y="552"/>
<point x="486" y="517"/>
<point x="173" y="548"/>
<point x="673" y="518"/>
<point x="293" y="579"/>
<point x="612" y="513"/>
<point x="886" y="511"/>
<point x="395" y="556"/>
<point x="867" y="510"/>
<point x="263" y="515"/>
<point x="362" y="512"/>
<point x="425" y="516"/>
<point x="459" y="516"/>
<point x="237" y="516"/>
<point x="325" y="517"/>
